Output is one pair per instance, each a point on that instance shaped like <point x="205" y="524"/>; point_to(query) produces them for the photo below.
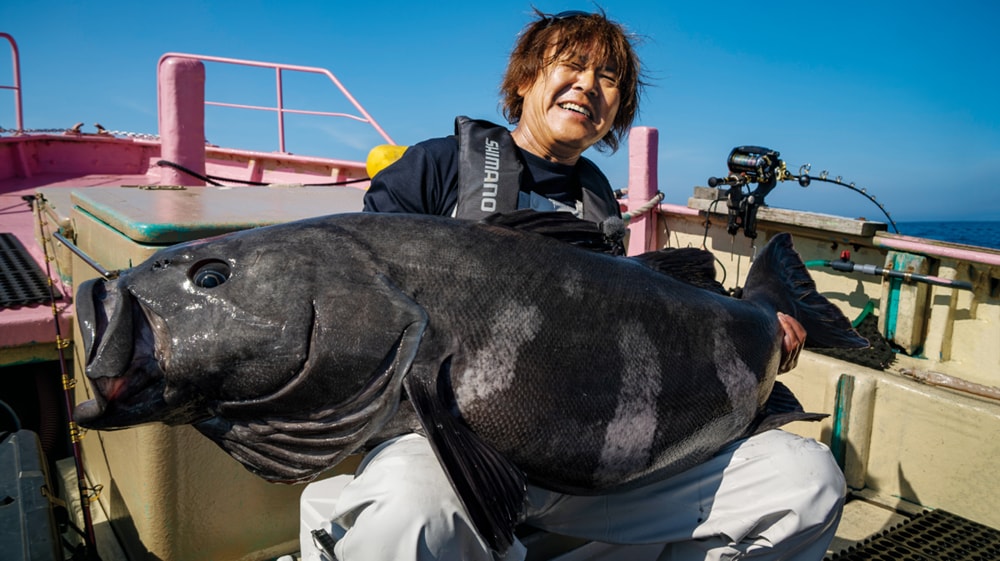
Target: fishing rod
<point x="844" y="264"/>
<point x="765" y="168"/>
<point x="87" y="494"/>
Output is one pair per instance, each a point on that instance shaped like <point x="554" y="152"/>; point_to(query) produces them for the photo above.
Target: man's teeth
<point x="577" y="108"/>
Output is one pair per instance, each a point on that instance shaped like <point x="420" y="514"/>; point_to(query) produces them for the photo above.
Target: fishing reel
<point x="749" y="164"/>
<point x="764" y="167"/>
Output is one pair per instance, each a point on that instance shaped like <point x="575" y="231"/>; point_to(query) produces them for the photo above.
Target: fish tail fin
<point x="779" y="277"/>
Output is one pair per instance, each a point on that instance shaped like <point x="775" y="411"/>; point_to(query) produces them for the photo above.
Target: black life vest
<point x="490" y="168"/>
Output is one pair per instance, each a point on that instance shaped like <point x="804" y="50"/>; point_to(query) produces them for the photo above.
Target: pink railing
<point x="279" y="107"/>
<point x="19" y="116"/>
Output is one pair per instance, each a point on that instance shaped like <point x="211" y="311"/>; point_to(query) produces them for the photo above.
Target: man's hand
<point x="793" y="339"/>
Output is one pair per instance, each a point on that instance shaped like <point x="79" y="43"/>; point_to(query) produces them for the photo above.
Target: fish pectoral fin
<point x="775" y="421"/>
<point x="492" y="488"/>
<point x="781" y="408"/>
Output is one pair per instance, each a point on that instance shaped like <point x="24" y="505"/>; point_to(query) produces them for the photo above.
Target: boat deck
<point x="28" y="326"/>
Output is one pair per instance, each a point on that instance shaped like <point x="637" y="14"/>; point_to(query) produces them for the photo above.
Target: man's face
<point x="571" y="105"/>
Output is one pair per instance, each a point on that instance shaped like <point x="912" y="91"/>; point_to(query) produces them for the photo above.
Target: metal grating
<point x="930" y="536"/>
<point x="22" y="282"/>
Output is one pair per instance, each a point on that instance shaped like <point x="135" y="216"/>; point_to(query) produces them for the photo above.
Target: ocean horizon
<point x="983" y="233"/>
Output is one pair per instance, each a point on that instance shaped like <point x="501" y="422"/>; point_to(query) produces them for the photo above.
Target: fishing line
<point x="804" y="179"/>
<point x="13" y="415"/>
<point x="704" y="238"/>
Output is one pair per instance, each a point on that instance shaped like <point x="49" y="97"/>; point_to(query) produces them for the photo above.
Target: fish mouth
<point x="120" y="337"/>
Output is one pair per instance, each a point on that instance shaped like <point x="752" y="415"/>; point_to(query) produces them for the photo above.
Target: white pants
<point x="772" y="496"/>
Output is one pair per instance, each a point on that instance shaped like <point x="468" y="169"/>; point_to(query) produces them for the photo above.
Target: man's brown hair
<point x="592" y="34"/>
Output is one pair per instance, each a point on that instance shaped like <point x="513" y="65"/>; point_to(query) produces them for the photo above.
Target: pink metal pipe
<point x="916" y="245"/>
<point x="16" y="66"/>
<point x="181" y="109"/>
<point x="642" y="186"/>
<point x="281" y="114"/>
<point x="287" y="110"/>
<point x="294" y="68"/>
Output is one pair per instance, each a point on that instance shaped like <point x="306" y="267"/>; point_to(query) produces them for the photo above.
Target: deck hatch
<point x="930" y="536"/>
<point x="22" y="282"/>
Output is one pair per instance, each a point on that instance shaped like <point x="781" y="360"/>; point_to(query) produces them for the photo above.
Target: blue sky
<point x="899" y="97"/>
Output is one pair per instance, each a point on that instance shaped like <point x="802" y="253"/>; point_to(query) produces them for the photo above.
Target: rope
<point x="211" y="179"/>
<point x="646" y="207"/>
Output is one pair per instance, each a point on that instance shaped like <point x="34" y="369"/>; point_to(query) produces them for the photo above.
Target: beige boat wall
<point x="900" y="440"/>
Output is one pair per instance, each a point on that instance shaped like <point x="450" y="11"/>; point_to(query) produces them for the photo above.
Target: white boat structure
<point x="915" y="423"/>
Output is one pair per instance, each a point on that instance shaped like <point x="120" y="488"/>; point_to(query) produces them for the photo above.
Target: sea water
<point x="980" y="233"/>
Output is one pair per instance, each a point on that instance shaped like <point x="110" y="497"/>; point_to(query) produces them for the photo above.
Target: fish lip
<point x="122" y="339"/>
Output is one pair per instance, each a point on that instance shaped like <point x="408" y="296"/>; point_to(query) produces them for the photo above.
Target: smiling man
<point x="574" y="81"/>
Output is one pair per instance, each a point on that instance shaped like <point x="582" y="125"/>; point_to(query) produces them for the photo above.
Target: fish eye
<point x="209" y="274"/>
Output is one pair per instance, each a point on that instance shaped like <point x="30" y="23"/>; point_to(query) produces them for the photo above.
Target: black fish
<point x="522" y="357"/>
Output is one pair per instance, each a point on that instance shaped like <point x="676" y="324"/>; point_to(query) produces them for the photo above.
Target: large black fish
<point x="521" y="355"/>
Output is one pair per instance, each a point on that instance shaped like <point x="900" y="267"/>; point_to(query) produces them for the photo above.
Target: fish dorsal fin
<point x="687" y="264"/>
<point x="492" y="489"/>
<point x="605" y="237"/>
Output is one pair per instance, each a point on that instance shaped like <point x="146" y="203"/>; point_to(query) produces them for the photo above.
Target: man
<point x="564" y="100"/>
<point x="573" y="81"/>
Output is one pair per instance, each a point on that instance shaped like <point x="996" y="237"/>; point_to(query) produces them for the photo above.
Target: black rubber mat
<point x="930" y="536"/>
<point x="22" y="281"/>
<point x="879" y="353"/>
